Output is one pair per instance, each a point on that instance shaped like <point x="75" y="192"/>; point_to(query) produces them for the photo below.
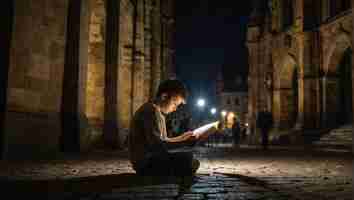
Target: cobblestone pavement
<point x="247" y="173"/>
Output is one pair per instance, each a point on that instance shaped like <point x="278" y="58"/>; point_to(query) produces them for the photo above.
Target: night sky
<point x="209" y="34"/>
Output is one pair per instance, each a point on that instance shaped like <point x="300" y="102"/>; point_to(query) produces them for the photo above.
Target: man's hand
<point x="188" y="136"/>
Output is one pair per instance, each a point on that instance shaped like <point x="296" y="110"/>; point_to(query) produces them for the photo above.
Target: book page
<point x="204" y="129"/>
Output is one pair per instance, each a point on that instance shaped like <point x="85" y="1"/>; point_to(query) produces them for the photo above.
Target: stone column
<point x="147" y="50"/>
<point x="310" y="108"/>
<point x="324" y="102"/>
<point x="253" y="48"/>
<point x="331" y="88"/>
<point x="111" y="133"/>
<point x="156" y="48"/>
<point x="5" y="43"/>
<point x="75" y="69"/>
<point x="35" y="79"/>
<point x="276" y="108"/>
<point x="138" y="57"/>
<point x="301" y="99"/>
<point x="353" y="72"/>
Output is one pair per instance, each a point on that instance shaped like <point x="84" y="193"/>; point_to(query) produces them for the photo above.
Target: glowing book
<point x="206" y="129"/>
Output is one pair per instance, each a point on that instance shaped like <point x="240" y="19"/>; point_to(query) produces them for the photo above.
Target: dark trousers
<point x="264" y="132"/>
<point x="170" y="164"/>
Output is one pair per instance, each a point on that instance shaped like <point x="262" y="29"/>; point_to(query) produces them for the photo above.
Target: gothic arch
<point x="285" y="100"/>
<point x="342" y="42"/>
<point x="337" y="86"/>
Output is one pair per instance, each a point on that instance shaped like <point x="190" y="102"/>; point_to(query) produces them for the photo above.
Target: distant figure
<point x="236" y="133"/>
<point x="265" y="123"/>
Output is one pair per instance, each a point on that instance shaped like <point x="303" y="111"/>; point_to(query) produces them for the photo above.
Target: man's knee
<point x="195" y="165"/>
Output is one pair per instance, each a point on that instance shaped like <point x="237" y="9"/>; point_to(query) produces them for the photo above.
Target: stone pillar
<point x="147" y="50"/>
<point x="324" y="102"/>
<point x="35" y="79"/>
<point x="126" y="43"/>
<point x="353" y="73"/>
<point x="331" y="88"/>
<point x="138" y="56"/>
<point x="156" y="48"/>
<point x="5" y="43"/>
<point x="310" y="107"/>
<point x="111" y="133"/>
<point x="74" y="120"/>
<point x="168" y="39"/>
<point x="301" y="99"/>
<point x="253" y="48"/>
<point x="276" y="108"/>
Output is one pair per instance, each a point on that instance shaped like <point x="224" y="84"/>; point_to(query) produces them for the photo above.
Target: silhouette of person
<point x="264" y="123"/>
<point x="236" y="132"/>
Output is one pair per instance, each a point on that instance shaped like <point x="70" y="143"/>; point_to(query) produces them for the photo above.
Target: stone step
<point x="339" y="138"/>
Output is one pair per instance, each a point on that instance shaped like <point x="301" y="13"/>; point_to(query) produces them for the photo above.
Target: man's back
<point x="146" y="130"/>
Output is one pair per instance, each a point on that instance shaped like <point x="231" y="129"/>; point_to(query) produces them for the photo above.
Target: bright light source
<point x="201" y="102"/>
<point x="223" y="113"/>
<point x="231" y="114"/>
<point x="246" y="124"/>
<point x="213" y="111"/>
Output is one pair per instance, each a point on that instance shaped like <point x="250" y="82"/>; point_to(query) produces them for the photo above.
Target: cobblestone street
<point x="225" y="173"/>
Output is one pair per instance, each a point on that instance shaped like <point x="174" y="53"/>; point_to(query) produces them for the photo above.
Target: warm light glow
<point x="223" y="113"/>
<point x="213" y="111"/>
<point x="201" y="102"/>
<point x="231" y="115"/>
<point x="246" y="124"/>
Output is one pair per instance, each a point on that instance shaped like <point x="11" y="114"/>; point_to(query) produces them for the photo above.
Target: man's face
<point x="174" y="103"/>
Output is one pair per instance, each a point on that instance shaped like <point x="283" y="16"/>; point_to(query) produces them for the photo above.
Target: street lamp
<point x="201" y="103"/>
<point x="223" y="113"/>
<point x="213" y="111"/>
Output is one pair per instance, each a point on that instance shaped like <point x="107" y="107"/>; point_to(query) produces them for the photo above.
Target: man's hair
<point x="172" y="87"/>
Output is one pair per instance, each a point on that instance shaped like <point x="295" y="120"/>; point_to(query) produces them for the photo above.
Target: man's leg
<point x="265" y="139"/>
<point x="183" y="163"/>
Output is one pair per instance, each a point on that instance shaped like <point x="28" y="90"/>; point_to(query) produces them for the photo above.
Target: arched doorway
<point x="338" y="85"/>
<point x="345" y="107"/>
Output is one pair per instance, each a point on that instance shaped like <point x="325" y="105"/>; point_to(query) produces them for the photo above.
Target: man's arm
<point x="181" y="138"/>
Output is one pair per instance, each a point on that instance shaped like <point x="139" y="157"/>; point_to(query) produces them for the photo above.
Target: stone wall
<point x="314" y="54"/>
<point x="78" y="70"/>
<point x="35" y="77"/>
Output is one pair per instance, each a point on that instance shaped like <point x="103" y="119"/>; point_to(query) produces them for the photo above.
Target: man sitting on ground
<point x="148" y="140"/>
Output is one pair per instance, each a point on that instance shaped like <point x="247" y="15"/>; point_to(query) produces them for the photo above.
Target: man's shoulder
<point x="144" y="109"/>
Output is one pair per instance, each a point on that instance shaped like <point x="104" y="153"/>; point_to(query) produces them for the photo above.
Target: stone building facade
<point x="74" y="71"/>
<point x="300" y="55"/>
<point x="232" y="94"/>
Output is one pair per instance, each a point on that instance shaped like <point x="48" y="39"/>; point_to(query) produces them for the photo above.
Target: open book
<point x="206" y="129"/>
